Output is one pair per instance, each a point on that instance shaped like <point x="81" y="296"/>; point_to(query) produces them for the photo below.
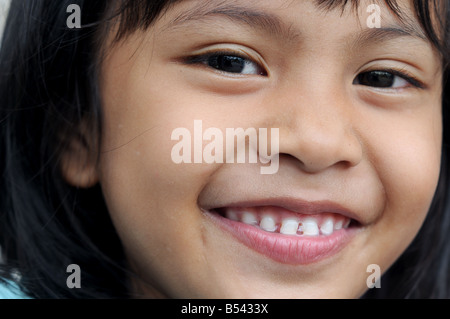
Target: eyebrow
<point x="253" y="18"/>
<point x="378" y="35"/>
<point x="272" y="24"/>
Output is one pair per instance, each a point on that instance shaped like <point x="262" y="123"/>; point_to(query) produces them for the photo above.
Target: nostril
<point x="318" y="146"/>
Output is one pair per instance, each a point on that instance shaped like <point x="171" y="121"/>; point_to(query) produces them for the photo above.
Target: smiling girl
<point x="86" y="175"/>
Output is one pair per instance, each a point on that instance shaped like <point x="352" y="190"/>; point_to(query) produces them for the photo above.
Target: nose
<point x="317" y="128"/>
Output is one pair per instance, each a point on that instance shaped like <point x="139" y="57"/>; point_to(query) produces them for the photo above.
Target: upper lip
<point x="296" y="205"/>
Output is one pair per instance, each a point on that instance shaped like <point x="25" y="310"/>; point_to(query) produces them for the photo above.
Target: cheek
<point x="407" y="161"/>
<point x="152" y="203"/>
<point x="152" y="200"/>
<point x="412" y="169"/>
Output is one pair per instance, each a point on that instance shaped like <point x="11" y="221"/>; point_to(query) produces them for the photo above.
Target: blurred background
<point x="4" y="4"/>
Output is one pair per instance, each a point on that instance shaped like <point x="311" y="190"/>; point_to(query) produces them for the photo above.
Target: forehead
<point x="403" y="10"/>
<point x="140" y="14"/>
<point x="280" y="18"/>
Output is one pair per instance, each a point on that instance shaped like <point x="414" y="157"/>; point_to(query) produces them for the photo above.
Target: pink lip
<point x="293" y="250"/>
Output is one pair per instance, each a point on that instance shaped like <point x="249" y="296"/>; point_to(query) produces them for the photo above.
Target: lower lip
<point x="293" y="250"/>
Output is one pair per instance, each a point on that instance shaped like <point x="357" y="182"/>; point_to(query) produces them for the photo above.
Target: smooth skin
<point x="375" y="150"/>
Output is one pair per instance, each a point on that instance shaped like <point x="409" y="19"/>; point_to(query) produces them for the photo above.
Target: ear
<point x="79" y="158"/>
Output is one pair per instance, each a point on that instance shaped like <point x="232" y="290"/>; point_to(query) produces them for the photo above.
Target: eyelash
<point x="404" y="74"/>
<point x="204" y="58"/>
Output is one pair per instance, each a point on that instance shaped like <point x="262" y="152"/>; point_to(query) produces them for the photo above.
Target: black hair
<point x="48" y="87"/>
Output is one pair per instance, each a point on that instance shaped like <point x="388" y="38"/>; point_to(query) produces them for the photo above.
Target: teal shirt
<point x="11" y="291"/>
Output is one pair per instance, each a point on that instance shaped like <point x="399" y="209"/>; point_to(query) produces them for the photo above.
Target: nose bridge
<point x="322" y="119"/>
<point x="317" y="127"/>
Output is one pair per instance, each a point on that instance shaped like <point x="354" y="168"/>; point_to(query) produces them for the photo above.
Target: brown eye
<point x="229" y="63"/>
<point x="385" y="80"/>
<point x="379" y="79"/>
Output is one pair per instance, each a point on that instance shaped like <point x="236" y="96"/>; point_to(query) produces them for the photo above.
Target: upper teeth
<point x="268" y="224"/>
<point x="290" y="225"/>
<point x="310" y="227"/>
<point x="249" y="218"/>
<point x="327" y="227"/>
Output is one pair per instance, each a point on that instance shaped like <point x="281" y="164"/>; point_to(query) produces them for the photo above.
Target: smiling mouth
<point x="302" y="235"/>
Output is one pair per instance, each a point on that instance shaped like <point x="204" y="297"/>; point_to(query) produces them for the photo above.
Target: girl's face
<point x="358" y="111"/>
